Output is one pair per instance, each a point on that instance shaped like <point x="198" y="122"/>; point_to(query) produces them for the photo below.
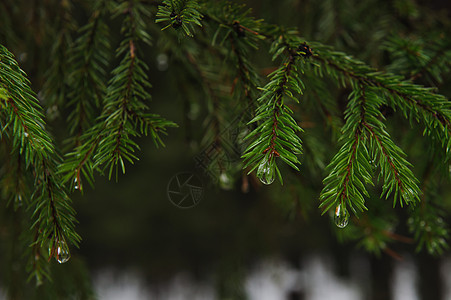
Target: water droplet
<point x="77" y="184"/>
<point x="408" y="195"/>
<point x="25" y="134"/>
<point x="225" y="181"/>
<point x="62" y="254"/>
<point x="341" y="217"/>
<point x="266" y="172"/>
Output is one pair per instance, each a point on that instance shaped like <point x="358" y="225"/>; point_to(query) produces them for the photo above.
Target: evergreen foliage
<point x="109" y="142"/>
<point x="105" y="96"/>
<point x="24" y="133"/>
<point x="276" y="135"/>
<point x="180" y="14"/>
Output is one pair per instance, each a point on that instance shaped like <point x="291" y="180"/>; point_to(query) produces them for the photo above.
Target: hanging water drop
<point x="77" y="182"/>
<point x="62" y="254"/>
<point x="25" y="134"/>
<point x="341" y="217"/>
<point x="266" y="172"/>
<point x="225" y="181"/>
<point x="408" y="195"/>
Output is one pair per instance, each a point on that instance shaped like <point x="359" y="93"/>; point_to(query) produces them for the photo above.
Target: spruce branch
<point x="241" y="31"/>
<point x="53" y="217"/>
<point x="90" y="55"/>
<point x="425" y="59"/>
<point x="276" y="135"/>
<point x="109" y="143"/>
<point x="395" y="171"/>
<point x="415" y="102"/>
<point x="367" y="143"/>
<point x="369" y="137"/>
<point x="350" y="169"/>
<point x="55" y="88"/>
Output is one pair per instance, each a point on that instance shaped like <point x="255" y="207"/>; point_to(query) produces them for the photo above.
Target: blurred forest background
<point x="131" y="227"/>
